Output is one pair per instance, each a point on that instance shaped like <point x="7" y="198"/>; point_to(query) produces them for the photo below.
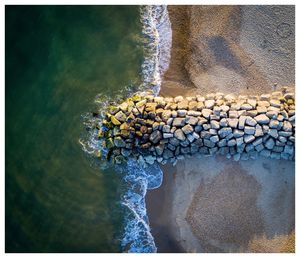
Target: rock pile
<point x="157" y="129"/>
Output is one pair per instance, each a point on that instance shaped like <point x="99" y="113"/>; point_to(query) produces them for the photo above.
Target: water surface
<point x="57" y="60"/>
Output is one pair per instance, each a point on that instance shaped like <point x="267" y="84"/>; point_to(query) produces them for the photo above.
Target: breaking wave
<point x="157" y="35"/>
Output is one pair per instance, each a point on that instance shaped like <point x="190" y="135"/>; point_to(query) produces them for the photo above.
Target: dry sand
<point x="213" y="204"/>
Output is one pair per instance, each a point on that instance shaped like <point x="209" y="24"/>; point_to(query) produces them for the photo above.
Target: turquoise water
<point x="57" y="60"/>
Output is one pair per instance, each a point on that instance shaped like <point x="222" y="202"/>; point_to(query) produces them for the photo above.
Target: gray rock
<point x="249" y="147"/>
<point x="259" y="147"/>
<point x="213" y="150"/>
<point x="213" y="131"/>
<point x="194" y="113"/>
<point x="238" y="133"/>
<point x="170" y="121"/>
<point x="275" y="155"/>
<point x="274" y="124"/>
<point x="252" y="102"/>
<point x="187" y="129"/>
<point x="265" y="153"/>
<point x="190" y="137"/>
<point x="249" y="138"/>
<point x="272" y="114"/>
<point x="223" y="132"/>
<point x="232" y="142"/>
<point x="270" y="143"/>
<point x="195" y="135"/>
<point x="257" y="141"/>
<point x="159" y="149"/>
<point x="155" y="126"/>
<point x="250" y="121"/>
<point x="206" y="112"/>
<point x="166" y="115"/>
<point x="191" y="120"/>
<point x="240" y="148"/>
<point x="233" y="122"/>
<point x="246" y="107"/>
<point x="239" y="141"/>
<point x="167" y="135"/>
<point x="209" y="103"/>
<point x="222" y="143"/>
<point x="215" y="124"/>
<point x="178" y="99"/>
<point x="126" y="152"/>
<point x="258" y="131"/>
<point x="236" y="157"/>
<point x="174" y="141"/>
<point x="181" y="113"/>
<point x="179" y="135"/>
<point x="167" y="154"/>
<point x="275" y="103"/>
<point x="214" y="138"/>
<point x="178" y="122"/>
<point x="233" y="114"/>
<point x="242" y="120"/>
<point x="155" y="136"/>
<point x="285" y="134"/>
<point x="223" y="122"/>
<point x="289" y="149"/>
<point x="208" y="143"/>
<point x="278" y="148"/>
<point x="166" y="128"/>
<point x="273" y="133"/>
<point x="206" y="126"/>
<point x="224" y="108"/>
<point x="185" y="150"/>
<point x="287" y="126"/>
<point x="120" y="116"/>
<point x="262" y="119"/>
<point x="198" y="128"/>
<point x="249" y="130"/>
<point x="183" y="104"/>
<point x="150" y="159"/>
<point x="282" y="139"/>
<point x="119" y="142"/>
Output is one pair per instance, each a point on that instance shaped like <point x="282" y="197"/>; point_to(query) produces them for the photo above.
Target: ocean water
<point x="63" y="63"/>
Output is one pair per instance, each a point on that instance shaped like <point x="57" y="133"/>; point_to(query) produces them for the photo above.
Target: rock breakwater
<point x="153" y="129"/>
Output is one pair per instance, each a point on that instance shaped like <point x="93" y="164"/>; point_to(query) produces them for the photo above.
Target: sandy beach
<point x="212" y="204"/>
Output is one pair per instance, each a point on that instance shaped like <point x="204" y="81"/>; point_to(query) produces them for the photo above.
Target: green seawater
<point x="57" y="59"/>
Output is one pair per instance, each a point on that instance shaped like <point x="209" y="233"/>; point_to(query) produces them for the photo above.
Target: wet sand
<point x="213" y="204"/>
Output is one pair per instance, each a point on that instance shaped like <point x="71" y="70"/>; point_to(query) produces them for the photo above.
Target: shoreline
<point x="232" y="61"/>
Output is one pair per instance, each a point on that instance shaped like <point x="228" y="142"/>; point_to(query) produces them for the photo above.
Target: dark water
<point x="57" y="60"/>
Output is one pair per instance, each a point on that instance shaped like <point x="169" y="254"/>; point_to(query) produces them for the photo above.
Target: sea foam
<point x="156" y="29"/>
<point x="157" y="35"/>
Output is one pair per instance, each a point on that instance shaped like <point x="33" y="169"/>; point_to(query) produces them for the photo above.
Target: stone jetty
<point x="162" y="129"/>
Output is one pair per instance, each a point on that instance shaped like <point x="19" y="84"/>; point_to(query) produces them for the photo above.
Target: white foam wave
<point x="158" y="35"/>
<point x="156" y="29"/>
